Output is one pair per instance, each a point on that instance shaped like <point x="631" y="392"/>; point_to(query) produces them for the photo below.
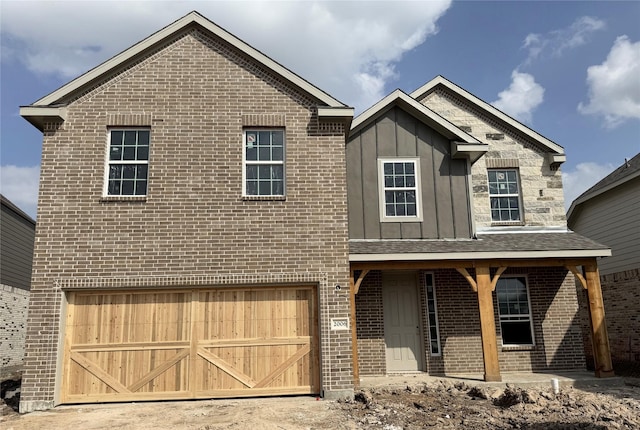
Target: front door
<point x="401" y="322"/>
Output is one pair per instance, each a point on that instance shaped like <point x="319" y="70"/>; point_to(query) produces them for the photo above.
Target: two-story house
<point x="192" y="237"/>
<point x="460" y="256"/>
<point x="213" y="225"/>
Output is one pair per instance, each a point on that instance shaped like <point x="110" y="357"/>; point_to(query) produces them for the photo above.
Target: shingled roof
<point x="502" y="245"/>
<point x="627" y="171"/>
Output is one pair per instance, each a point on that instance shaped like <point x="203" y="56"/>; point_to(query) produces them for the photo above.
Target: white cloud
<point x="614" y="85"/>
<point x="555" y="42"/>
<point x="20" y="185"/>
<point x="582" y="178"/>
<point x="347" y="48"/>
<point x="522" y="97"/>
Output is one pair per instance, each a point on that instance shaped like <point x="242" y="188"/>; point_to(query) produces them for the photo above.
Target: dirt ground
<point x="440" y="404"/>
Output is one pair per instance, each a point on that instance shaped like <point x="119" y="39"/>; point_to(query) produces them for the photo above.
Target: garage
<point x="190" y="344"/>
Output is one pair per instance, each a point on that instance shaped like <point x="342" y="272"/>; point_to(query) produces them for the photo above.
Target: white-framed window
<point x="432" y="315"/>
<point x="514" y="309"/>
<point x="504" y="194"/>
<point x="127" y="170"/>
<point x="263" y="158"/>
<point x="399" y="186"/>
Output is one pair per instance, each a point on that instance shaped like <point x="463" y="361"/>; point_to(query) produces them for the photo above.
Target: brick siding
<point x="558" y="339"/>
<point x="13" y="325"/>
<point x="197" y="94"/>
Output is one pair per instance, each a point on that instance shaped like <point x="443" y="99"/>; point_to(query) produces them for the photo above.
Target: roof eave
<point x="403" y="100"/>
<point x="440" y="80"/>
<point x="39" y="115"/>
<point x="489" y="255"/>
<point x="151" y="41"/>
<point x="588" y="196"/>
<point x="472" y="151"/>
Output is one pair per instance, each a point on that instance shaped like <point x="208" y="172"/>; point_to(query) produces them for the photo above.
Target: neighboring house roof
<point x="628" y="170"/>
<point x="7" y="203"/>
<point x="469" y="145"/>
<point x="53" y="105"/>
<point x="553" y="147"/>
<point x="501" y="246"/>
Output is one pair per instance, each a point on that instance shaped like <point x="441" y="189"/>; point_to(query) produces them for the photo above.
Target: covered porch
<point x="478" y="265"/>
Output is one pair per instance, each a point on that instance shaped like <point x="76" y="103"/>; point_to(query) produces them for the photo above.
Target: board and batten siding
<point x="444" y="188"/>
<point x="16" y="253"/>
<point x="613" y="219"/>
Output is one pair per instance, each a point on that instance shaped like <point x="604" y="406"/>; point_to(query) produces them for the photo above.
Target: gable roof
<point x="496" y="113"/>
<point x="52" y="105"/>
<point x="469" y="147"/>
<point x="627" y="171"/>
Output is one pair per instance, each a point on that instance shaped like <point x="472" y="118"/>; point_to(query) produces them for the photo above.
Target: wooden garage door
<point x="205" y="343"/>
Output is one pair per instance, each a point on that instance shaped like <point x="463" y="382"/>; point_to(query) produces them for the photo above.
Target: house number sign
<point x="339" y="323"/>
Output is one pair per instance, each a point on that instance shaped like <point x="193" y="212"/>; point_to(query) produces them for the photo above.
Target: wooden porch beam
<point x="354" y="332"/>
<point x="469" y="278"/>
<point x="578" y="275"/>
<point x="487" y="325"/>
<point x="360" y="279"/>
<point x="494" y="281"/>
<point x="599" y="335"/>
<point x="463" y="264"/>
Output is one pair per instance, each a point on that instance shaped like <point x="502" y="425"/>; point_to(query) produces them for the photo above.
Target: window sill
<point x="123" y="199"/>
<point x="507" y="348"/>
<point x="264" y="198"/>
<point x="506" y="223"/>
<point x="401" y="219"/>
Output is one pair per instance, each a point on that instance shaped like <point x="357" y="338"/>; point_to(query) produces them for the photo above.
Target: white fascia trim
<point x="511" y="255"/>
<point x="402" y="99"/>
<point x="335" y="112"/>
<point x="586" y="198"/>
<point x="440" y="80"/>
<point x="168" y="31"/>
<point x="472" y="151"/>
<point x="44" y="111"/>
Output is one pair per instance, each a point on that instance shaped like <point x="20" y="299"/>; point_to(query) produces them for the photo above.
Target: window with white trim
<point x="128" y="162"/>
<point x="504" y="194"/>
<point x="263" y="162"/>
<point x="432" y="315"/>
<point x="399" y="180"/>
<point x="514" y="309"/>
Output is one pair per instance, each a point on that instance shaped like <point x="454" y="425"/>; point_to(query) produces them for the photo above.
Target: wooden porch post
<point x="487" y="325"/>
<point x="354" y="333"/>
<point x="601" y="351"/>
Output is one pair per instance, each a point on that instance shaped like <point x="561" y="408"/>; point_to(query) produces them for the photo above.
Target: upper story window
<point x="128" y="162"/>
<point x="514" y="309"/>
<point x="504" y="193"/>
<point x="263" y="162"/>
<point x="399" y="180"/>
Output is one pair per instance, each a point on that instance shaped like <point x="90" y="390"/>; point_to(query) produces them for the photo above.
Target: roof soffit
<point x="168" y="33"/>
<point x="509" y="122"/>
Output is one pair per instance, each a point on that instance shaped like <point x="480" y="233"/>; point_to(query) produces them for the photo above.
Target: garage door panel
<point x="122" y="346"/>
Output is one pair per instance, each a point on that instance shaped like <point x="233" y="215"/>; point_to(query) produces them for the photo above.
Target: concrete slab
<point x="565" y="379"/>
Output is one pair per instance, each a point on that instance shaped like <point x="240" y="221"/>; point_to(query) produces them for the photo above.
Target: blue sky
<point x="569" y="70"/>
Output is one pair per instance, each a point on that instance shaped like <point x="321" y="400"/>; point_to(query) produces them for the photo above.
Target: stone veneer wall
<point x="620" y="292"/>
<point x="558" y="339"/>
<point x="195" y="94"/>
<point x="14" y="303"/>
<point x="542" y="193"/>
